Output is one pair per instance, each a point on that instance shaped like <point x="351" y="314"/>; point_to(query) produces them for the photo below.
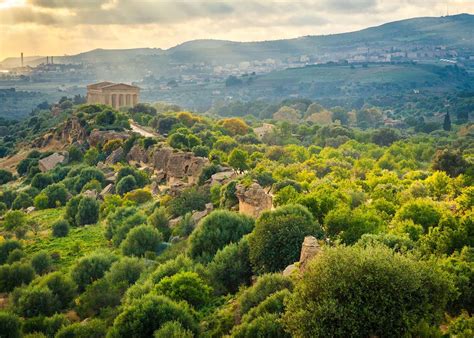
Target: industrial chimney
<point x="21" y="59"/>
<point x="52" y="60"/>
<point x="47" y="60"/>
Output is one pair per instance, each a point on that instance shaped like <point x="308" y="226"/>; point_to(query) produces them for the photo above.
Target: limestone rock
<point x="48" y="163"/>
<point x="109" y="189"/>
<point x="253" y="200"/>
<point x="115" y="157"/>
<point x="29" y="210"/>
<point x="102" y="136"/>
<point x="197" y="216"/>
<point x="223" y="177"/>
<point x="175" y="221"/>
<point x="137" y="154"/>
<point x="177" y="165"/>
<point x="309" y="249"/>
<point x="91" y="194"/>
<point x="289" y="270"/>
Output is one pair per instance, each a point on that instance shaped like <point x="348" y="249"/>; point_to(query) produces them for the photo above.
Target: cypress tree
<point x="447" y="122"/>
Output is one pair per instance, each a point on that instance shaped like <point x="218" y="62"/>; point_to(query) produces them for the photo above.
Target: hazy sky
<point x="58" y="27"/>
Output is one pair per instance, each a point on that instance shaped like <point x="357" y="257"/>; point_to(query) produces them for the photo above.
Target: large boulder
<point x="116" y="156"/>
<point x="309" y="249"/>
<point x="253" y="200"/>
<point x="51" y="161"/>
<point x="137" y="154"/>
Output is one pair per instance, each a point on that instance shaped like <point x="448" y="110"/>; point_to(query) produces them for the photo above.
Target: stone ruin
<point x="309" y="249"/>
<point x="253" y="200"/>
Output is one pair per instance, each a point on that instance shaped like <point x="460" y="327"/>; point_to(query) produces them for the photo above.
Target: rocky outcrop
<point x="109" y="189"/>
<point x="68" y="133"/>
<point x="223" y="177"/>
<point x="51" y="161"/>
<point x="73" y="131"/>
<point x="253" y="200"/>
<point x="137" y="154"/>
<point x="116" y="156"/>
<point x="177" y="166"/>
<point x="309" y="249"/>
<point x="102" y="136"/>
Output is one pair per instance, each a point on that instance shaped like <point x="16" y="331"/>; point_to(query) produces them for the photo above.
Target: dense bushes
<point x="60" y="228"/>
<point x="217" y="230"/>
<point x="366" y="292"/>
<point x="82" y="210"/>
<point x="276" y="240"/>
<point x="10" y="325"/>
<point x="141" y="240"/>
<point x="90" y="268"/>
<point x="143" y="318"/>
<point x="230" y="268"/>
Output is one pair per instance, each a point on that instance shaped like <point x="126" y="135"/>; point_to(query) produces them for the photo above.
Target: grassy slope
<point x="80" y="241"/>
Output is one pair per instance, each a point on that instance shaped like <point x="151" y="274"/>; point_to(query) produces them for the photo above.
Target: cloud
<point x="70" y="26"/>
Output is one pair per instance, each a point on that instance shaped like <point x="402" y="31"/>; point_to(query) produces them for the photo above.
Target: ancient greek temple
<point x="113" y="94"/>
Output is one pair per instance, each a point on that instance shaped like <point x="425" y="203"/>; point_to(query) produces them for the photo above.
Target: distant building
<point x="114" y="94"/>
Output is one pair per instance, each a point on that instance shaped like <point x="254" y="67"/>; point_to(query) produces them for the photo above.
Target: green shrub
<point x="41" y="202"/>
<point x="267" y="325"/>
<point x="99" y="298"/>
<point x="41" y="262"/>
<point x="15" y="255"/>
<point x="366" y="292"/>
<point x="91" y="157"/>
<point x="10" y="325"/>
<point x="6" y="247"/>
<point x="60" y="228"/>
<point x="75" y="154"/>
<point x="62" y="287"/>
<point x="173" y="329"/>
<point x="15" y="275"/>
<point x="422" y="212"/>
<point x="276" y="240"/>
<point x="143" y="318"/>
<point x="35" y="301"/>
<point x="87" y="211"/>
<point x="5" y="176"/>
<point x="91" y="268"/>
<point x="41" y="181"/>
<point x="141" y="179"/>
<point x="138" y="196"/>
<point x="230" y="268"/>
<point x="94" y="328"/>
<point x="216" y="231"/>
<point x="140" y="240"/>
<point x="46" y="325"/>
<point x="265" y="286"/>
<point x="127" y="270"/>
<point x="159" y="220"/>
<point x="14" y="219"/>
<point x="22" y="201"/>
<point x="187" y="286"/>
<point x="189" y="200"/>
<point x="57" y="195"/>
<point x="126" y="184"/>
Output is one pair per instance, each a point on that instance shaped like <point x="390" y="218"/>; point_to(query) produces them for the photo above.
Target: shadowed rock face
<point x="253" y="200"/>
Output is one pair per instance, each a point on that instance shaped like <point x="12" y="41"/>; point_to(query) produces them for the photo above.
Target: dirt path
<point x="140" y="130"/>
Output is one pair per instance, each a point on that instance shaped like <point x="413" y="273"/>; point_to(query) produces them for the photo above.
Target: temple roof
<point x="111" y="86"/>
